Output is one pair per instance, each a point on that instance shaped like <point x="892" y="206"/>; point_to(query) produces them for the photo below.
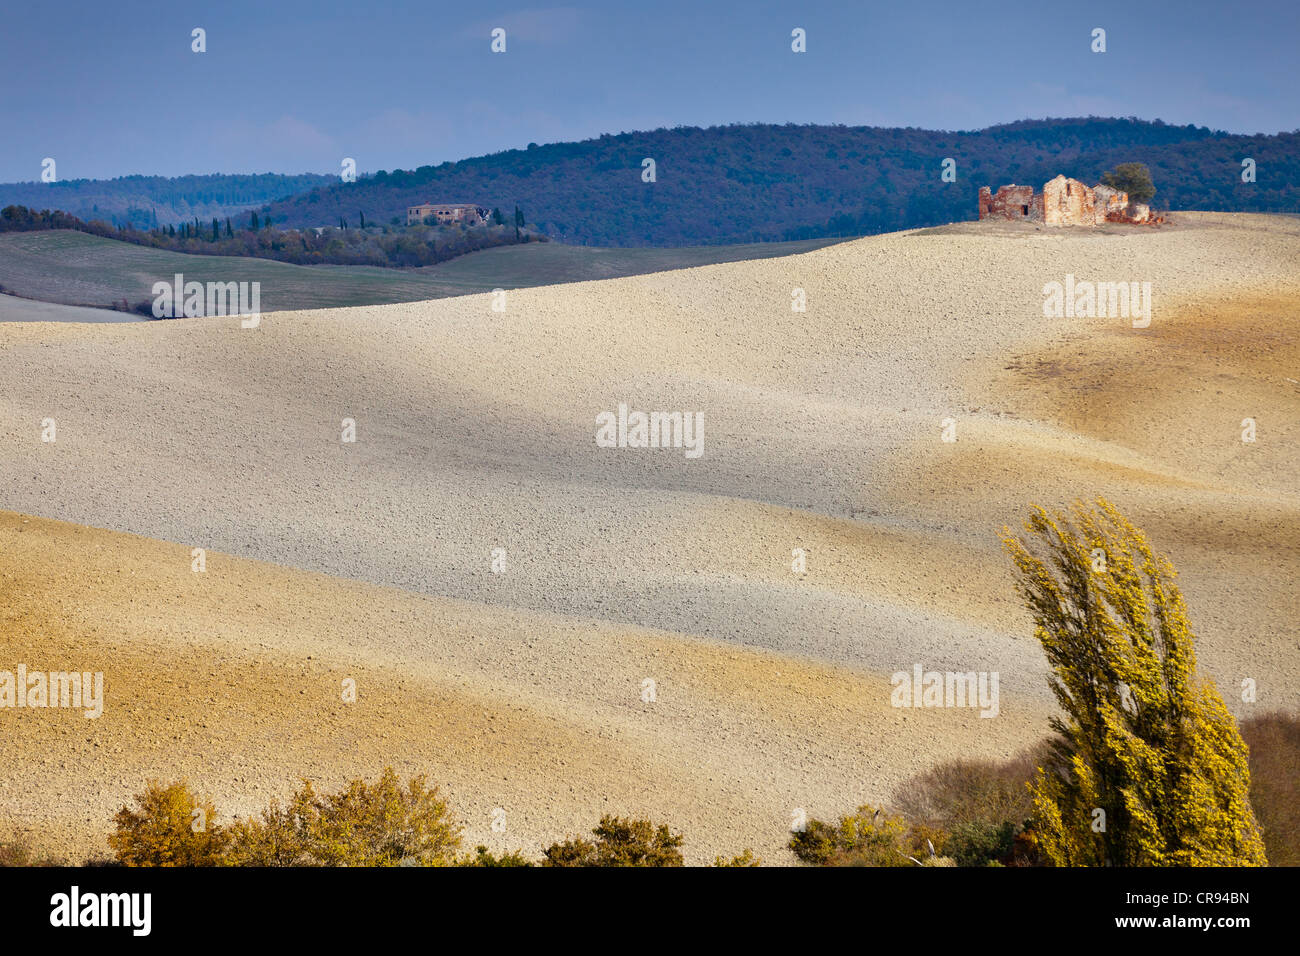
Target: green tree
<point x="1147" y="768"/>
<point x="1132" y="178"/>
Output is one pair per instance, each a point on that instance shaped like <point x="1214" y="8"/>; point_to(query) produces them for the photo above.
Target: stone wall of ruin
<point x="1068" y="202"/>
<point x="1111" y="204"/>
<point x="1011" y="202"/>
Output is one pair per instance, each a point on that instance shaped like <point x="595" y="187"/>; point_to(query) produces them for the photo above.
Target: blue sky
<point x="112" y="88"/>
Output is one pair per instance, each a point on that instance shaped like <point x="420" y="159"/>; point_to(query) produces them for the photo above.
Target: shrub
<point x="482" y="857"/>
<point x="619" y="842"/>
<point x="979" y="842"/>
<point x="971" y="791"/>
<point x="745" y="859"/>
<point x="980" y="808"/>
<point x="1274" y="741"/>
<point x="278" y="838"/>
<point x="171" y="826"/>
<point x="384" y="824"/>
<point x="865" y="838"/>
<point x="1143" y="739"/>
<point x="18" y="852"/>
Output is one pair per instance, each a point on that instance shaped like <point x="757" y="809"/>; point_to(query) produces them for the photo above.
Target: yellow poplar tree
<point x="1147" y="768"/>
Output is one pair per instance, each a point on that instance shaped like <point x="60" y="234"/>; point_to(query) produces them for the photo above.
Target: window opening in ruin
<point x="1024" y="210"/>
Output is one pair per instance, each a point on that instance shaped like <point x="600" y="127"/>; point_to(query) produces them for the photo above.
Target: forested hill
<point x="149" y="201"/>
<point x="760" y="182"/>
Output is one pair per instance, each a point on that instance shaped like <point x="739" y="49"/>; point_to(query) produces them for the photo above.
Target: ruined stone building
<point x="1063" y="202"/>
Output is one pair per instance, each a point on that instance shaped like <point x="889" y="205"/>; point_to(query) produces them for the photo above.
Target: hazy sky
<point x="111" y="87"/>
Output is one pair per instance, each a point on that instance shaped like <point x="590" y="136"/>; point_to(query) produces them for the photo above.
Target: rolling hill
<point x="521" y="687"/>
<point x="74" y="268"/>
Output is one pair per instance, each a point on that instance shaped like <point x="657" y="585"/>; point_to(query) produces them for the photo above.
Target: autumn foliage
<point x="169" y="826"/>
<point x="1147" y="768"/>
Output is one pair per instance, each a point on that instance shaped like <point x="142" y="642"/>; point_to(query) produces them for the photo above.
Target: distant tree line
<point x="255" y="236"/>
<point x="757" y="183"/>
<point x="146" y="201"/>
<point x="726" y="184"/>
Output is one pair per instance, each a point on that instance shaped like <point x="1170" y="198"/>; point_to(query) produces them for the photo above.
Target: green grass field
<point x="78" y="269"/>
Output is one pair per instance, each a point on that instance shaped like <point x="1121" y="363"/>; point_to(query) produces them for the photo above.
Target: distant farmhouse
<point x="467" y="213"/>
<point x="1063" y="202"/>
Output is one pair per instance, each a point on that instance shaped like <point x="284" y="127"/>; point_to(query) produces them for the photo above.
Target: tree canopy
<point x="1148" y="767"/>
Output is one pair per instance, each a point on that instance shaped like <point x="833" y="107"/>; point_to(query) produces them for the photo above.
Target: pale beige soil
<point x="476" y="431"/>
<point x="233" y="679"/>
